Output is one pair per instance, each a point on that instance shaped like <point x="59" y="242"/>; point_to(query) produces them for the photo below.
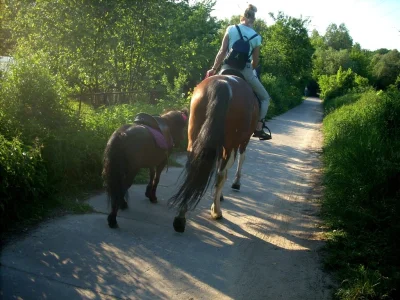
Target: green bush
<point x="332" y="104"/>
<point x="23" y="180"/>
<point x="343" y="82"/>
<point x="33" y="101"/>
<point x="284" y="96"/>
<point x="34" y="107"/>
<point x="362" y="193"/>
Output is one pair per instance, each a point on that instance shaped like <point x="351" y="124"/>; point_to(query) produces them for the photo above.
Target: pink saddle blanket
<point x="159" y="138"/>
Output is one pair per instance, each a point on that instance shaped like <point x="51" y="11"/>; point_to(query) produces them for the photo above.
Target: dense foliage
<point x="361" y="158"/>
<point x="362" y="195"/>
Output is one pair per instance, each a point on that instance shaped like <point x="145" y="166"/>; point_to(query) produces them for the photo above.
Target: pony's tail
<point x="207" y="148"/>
<point x="115" y="168"/>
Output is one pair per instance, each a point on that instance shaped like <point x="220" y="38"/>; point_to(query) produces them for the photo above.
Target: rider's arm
<point x="222" y="52"/>
<point x="256" y="57"/>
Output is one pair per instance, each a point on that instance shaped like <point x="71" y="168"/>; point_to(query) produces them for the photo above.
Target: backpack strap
<point x="240" y="33"/>
<point x="253" y="37"/>
<point x="251" y="53"/>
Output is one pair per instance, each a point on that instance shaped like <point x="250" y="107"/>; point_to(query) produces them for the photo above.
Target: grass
<point x="361" y="204"/>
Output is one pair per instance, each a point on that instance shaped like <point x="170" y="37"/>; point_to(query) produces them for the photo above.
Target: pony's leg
<point x="222" y="174"/>
<point x="112" y="217"/>
<point x="159" y="169"/>
<point x="180" y="220"/>
<point x="150" y="185"/>
<point x="236" y="182"/>
<point x="127" y="184"/>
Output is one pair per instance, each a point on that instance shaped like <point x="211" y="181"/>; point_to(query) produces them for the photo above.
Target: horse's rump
<point x="223" y="116"/>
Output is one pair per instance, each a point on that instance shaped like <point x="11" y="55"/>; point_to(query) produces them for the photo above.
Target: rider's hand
<point x="210" y="72"/>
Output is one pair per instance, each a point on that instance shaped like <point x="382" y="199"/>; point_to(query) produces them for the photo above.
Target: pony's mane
<point x="176" y="116"/>
<point x="167" y="113"/>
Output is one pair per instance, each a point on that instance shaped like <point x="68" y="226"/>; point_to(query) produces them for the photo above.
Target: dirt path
<point x="265" y="247"/>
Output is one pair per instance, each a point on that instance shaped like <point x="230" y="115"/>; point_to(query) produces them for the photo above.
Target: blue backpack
<point x="238" y="56"/>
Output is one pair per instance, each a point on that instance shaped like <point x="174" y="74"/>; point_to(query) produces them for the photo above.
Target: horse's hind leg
<point x="236" y="182"/>
<point x="180" y="220"/>
<point x="216" y="212"/>
<point x="222" y="174"/>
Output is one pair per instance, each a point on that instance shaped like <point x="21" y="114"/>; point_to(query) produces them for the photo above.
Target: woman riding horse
<point x="223" y="115"/>
<point x="234" y="33"/>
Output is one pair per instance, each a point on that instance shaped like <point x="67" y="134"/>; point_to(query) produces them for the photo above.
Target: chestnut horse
<point x="223" y="116"/>
<point x="132" y="147"/>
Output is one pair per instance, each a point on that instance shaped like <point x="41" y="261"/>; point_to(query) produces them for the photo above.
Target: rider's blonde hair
<point x="249" y="13"/>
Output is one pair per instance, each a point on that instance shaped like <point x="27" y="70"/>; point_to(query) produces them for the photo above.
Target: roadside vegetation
<point x="362" y="193"/>
<point x="361" y="158"/>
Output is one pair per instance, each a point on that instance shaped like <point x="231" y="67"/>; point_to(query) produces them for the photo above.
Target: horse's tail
<point x="115" y="167"/>
<point x="207" y="148"/>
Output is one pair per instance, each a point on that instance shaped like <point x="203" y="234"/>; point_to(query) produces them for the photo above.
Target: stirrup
<point x="261" y="134"/>
<point x="266" y="127"/>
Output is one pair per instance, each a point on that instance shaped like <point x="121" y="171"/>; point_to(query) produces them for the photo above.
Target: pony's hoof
<point x="124" y="205"/>
<point x="151" y="195"/>
<point x="236" y="186"/>
<point x="112" y="222"/>
<point x="148" y="192"/>
<point x="179" y="224"/>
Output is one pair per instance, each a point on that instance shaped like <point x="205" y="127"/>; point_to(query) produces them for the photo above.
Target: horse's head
<point x="177" y="121"/>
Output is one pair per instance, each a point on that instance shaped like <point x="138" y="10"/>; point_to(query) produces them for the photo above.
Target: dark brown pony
<point x="132" y="147"/>
<point x="223" y="115"/>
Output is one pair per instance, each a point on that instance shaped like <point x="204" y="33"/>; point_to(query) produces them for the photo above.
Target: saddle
<point x="232" y="72"/>
<point x="156" y="123"/>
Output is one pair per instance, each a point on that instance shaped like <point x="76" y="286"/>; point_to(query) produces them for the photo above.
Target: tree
<point x="317" y="41"/>
<point x="338" y="37"/>
<point x="385" y="68"/>
<point x="360" y="60"/>
<point x="5" y="32"/>
<point x="328" y="62"/>
<point x="118" y="45"/>
<point x="287" y="49"/>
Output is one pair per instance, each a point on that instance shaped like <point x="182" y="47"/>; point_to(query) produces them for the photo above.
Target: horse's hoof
<point x="124" y="205"/>
<point x="216" y="216"/>
<point x="112" y="222"/>
<point x="153" y="200"/>
<point x="236" y="186"/>
<point x="179" y="224"/>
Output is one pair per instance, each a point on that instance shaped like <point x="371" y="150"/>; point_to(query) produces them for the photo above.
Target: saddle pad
<point x="159" y="138"/>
